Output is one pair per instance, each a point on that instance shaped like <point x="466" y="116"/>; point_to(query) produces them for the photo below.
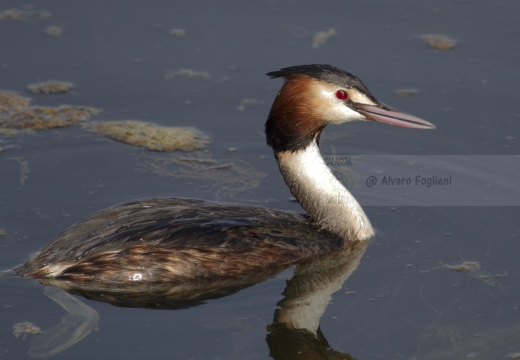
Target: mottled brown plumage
<point x="174" y="240"/>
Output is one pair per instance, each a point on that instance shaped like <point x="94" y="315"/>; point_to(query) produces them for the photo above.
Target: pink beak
<point x="387" y="115"/>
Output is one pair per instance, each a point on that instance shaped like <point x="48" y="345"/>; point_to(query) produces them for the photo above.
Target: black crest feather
<point x="323" y="72"/>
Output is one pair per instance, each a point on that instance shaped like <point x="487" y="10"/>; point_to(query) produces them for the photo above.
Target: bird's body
<point x="175" y="240"/>
<point x="161" y="240"/>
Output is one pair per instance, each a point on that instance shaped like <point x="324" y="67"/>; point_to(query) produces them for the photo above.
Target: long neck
<point x="329" y="204"/>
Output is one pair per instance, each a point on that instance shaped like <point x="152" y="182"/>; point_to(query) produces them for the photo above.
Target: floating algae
<point x="24" y="15"/>
<point x="225" y="177"/>
<point x="242" y="106"/>
<point x="151" y="136"/>
<point x="24" y="169"/>
<point x="474" y="269"/>
<point x="177" y="32"/>
<point x="321" y="37"/>
<point x="17" y="114"/>
<point x="439" y="42"/>
<point x="466" y="266"/>
<point x="188" y="73"/>
<point x="407" y="92"/>
<point x="50" y="87"/>
<point x="26" y="327"/>
<point x="11" y="100"/>
<point x="53" y="31"/>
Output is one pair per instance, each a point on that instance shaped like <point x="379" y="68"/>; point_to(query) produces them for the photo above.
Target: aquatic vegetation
<point x="321" y="37"/>
<point x="54" y="31"/>
<point x="407" y="92"/>
<point x="24" y="15"/>
<point x="50" y="87"/>
<point x="26" y="327"/>
<point x="466" y="266"/>
<point x="9" y="132"/>
<point x="474" y="269"/>
<point x="439" y="42"/>
<point x="151" y="136"/>
<point x="24" y="169"/>
<point x="244" y="102"/>
<point x="225" y="177"/>
<point x="16" y="114"/>
<point x="189" y="73"/>
<point x="11" y="100"/>
<point x="5" y="145"/>
<point x="178" y="32"/>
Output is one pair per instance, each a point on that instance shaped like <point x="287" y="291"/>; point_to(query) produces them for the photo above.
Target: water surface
<point x="402" y="302"/>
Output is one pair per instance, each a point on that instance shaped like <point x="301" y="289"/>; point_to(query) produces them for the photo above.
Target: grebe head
<point x="314" y="96"/>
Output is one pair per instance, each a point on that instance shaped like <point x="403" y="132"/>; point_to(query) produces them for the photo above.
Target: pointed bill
<point x="391" y="116"/>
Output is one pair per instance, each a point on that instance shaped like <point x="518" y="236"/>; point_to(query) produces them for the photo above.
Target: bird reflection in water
<point x="295" y="330"/>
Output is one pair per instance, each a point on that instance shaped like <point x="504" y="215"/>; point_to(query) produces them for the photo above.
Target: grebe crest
<point x="162" y="240"/>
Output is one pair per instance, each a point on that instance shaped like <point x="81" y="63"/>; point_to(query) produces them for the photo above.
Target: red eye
<point x="342" y="94"/>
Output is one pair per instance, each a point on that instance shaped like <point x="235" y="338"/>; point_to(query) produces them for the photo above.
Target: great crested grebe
<point x="163" y="240"/>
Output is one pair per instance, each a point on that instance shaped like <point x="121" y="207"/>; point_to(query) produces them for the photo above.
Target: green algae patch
<point x="151" y="136"/>
<point x="16" y="114"/>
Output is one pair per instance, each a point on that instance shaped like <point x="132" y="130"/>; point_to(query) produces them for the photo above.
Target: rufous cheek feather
<point x="292" y="124"/>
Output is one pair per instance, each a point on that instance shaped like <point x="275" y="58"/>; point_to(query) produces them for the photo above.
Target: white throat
<point x="329" y="204"/>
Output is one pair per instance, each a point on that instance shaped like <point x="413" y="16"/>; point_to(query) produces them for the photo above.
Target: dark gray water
<point x="402" y="302"/>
